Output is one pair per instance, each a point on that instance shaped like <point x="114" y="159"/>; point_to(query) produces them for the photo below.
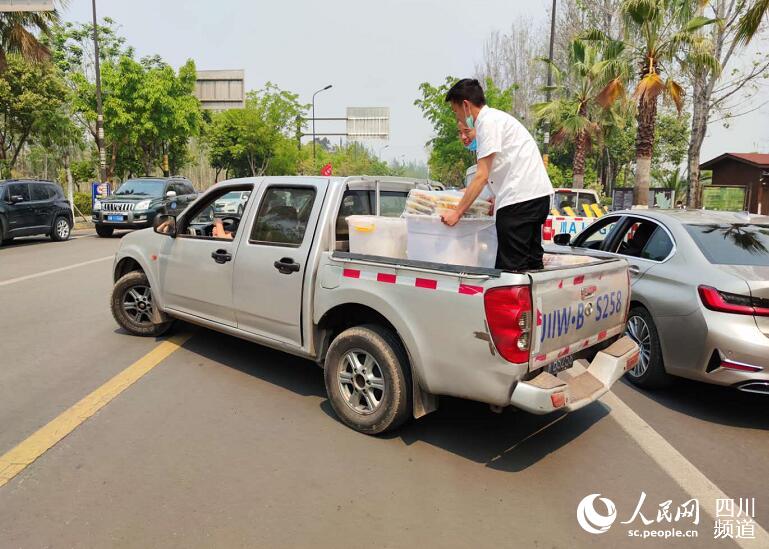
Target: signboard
<point x="724" y="199"/>
<point x="99" y="191"/>
<point x="662" y="198"/>
<point x="26" y="5"/>
<point x="368" y="122"/>
<point x="622" y="199"/>
<point x="220" y="90"/>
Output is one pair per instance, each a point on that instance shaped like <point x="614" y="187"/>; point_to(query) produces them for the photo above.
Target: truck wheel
<point x="650" y="372"/>
<point x="104" y="231"/>
<point x="61" y="229"/>
<point x="131" y="304"/>
<point x="368" y="379"/>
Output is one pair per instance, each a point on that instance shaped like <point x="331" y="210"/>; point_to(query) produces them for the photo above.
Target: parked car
<point x="700" y="292"/>
<point x="391" y="334"/>
<point x="136" y="202"/>
<point x="233" y="202"/>
<point x="29" y="207"/>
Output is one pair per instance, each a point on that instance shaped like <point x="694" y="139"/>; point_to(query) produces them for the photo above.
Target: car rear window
<point x="733" y="243"/>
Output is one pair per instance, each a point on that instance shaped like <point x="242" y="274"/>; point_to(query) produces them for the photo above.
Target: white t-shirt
<point x="517" y="172"/>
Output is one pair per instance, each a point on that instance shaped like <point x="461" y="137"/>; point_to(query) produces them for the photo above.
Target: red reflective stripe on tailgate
<point x="384" y="277"/>
<point x="563" y="353"/>
<point x="602" y="335"/>
<point x="426" y="283"/>
<point x="470" y="290"/>
<point x="351" y="273"/>
<point x="579" y="279"/>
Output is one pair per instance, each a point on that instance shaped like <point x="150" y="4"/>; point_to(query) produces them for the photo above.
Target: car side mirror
<point x="563" y="239"/>
<point x="15" y="199"/>
<point x="165" y="224"/>
<point x="171" y="194"/>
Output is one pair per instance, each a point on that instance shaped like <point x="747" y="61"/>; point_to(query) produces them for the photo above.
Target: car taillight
<point x="508" y="312"/>
<point x="547" y="230"/>
<point x="724" y="302"/>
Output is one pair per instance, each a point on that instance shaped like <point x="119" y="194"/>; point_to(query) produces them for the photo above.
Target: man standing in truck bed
<point x="510" y="163"/>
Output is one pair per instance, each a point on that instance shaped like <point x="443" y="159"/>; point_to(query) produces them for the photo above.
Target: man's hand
<point x="451" y="218"/>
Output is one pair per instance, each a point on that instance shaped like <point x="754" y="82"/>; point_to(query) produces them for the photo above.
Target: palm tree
<point x="660" y="33"/>
<point x="17" y="36"/>
<point x="591" y="82"/>
<point x="750" y="22"/>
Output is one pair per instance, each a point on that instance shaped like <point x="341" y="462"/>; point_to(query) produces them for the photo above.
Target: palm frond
<point x="649" y="88"/>
<point x="610" y="93"/>
<point x="676" y="93"/>
<point x="751" y="21"/>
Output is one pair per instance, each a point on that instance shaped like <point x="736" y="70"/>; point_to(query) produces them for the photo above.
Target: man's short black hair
<point x="467" y="89"/>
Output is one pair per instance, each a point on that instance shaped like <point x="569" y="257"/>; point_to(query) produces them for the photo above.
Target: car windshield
<point x="733" y="243"/>
<point x="141" y="187"/>
<point x="235" y="195"/>
<point x="573" y="199"/>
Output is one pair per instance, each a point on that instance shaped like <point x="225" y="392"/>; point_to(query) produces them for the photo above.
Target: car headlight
<point x="96" y="205"/>
<point x="143" y="205"/>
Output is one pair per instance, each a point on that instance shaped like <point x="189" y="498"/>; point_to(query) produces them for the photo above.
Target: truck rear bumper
<point x="579" y="385"/>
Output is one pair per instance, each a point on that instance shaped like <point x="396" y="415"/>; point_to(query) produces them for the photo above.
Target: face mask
<point x="472" y="146"/>
<point x="469" y="119"/>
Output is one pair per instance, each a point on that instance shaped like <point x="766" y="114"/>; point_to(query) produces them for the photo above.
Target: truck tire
<point x="61" y="229"/>
<point x="104" y="231"/>
<point x="650" y="372"/>
<point x="368" y="379"/>
<point x="131" y="305"/>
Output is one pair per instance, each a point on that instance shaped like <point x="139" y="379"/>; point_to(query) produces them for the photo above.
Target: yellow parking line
<point x="17" y="459"/>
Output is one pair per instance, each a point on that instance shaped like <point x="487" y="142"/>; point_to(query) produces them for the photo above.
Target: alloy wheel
<point x="137" y="304"/>
<point x="361" y="382"/>
<point x="638" y="331"/>
<point x="62" y="229"/>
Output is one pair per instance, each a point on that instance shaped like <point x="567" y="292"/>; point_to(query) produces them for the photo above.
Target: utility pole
<point x="99" y="112"/>
<point x="546" y="155"/>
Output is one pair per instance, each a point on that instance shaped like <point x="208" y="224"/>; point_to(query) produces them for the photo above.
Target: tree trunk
<point x="579" y="161"/>
<point x="699" y="128"/>
<point x="647" y="118"/>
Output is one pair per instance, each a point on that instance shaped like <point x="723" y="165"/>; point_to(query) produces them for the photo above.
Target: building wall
<point x="732" y="172"/>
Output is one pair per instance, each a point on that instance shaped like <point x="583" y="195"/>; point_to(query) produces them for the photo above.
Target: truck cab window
<point x="283" y="215"/>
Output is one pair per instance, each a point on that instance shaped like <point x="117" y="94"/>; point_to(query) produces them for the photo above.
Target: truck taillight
<point x="724" y="302"/>
<point x="547" y="230"/>
<point x="508" y="312"/>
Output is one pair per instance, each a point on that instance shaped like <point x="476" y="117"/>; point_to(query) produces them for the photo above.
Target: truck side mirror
<point x="171" y="194"/>
<point x="563" y="239"/>
<point x="165" y="224"/>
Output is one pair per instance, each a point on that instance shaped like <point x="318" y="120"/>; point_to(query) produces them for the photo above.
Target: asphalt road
<point x="228" y="444"/>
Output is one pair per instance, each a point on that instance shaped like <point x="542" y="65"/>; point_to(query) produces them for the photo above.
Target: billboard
<point x="368" y="122"/>
<point x="26" y="5"/>
<point x="220" y="89"/>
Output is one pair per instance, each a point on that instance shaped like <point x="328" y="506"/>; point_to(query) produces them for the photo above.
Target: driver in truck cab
<point x="510" y="164"/>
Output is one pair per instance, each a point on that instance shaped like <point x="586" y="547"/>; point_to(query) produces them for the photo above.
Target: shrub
<point x="83" y="203"/>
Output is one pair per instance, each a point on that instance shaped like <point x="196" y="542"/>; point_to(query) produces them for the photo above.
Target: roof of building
<point x="759" y="160"/>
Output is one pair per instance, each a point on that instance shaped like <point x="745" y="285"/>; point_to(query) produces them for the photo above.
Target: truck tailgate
<point x="576" y="308"/>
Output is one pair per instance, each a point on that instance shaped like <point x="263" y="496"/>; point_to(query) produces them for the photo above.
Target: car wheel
<point x="61" y="229"/>
<point x="368" y="379"/>
<point x="132" y="306"/>
<point x="104" y="232"/>
<point x="650" y="371"/>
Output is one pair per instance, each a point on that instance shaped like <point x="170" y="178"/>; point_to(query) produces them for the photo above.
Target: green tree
<point x="350" y="159"/>
<point x="751" y="21"/>
<point x="658" y="33"/>
<point x="32" y="107"/>
<point x="591" y="83"/>
<point x="448" y="158"/>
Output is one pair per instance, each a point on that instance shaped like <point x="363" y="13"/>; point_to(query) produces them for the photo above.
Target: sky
<point x="374" y="53"/>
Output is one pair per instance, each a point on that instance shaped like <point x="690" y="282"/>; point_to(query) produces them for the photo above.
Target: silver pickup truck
<point x="391" y="334"/>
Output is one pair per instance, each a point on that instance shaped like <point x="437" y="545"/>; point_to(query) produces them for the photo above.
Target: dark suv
<point x="136" y="202"/>
<point x="33" y="207"/>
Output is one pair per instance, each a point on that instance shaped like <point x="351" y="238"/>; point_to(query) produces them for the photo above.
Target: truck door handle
<point x="221" y="256"/>
<point x="634" y="270"/>
<point x="287" y="266"/>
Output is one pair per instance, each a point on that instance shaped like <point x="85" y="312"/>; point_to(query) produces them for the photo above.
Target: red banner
<point x="326" y="170"/>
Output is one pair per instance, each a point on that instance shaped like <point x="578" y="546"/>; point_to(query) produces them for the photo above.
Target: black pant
<point x="519" y="234"/>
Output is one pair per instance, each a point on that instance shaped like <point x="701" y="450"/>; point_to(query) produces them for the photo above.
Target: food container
<point x="377" y="235"/>
<point x="472" y="242"/>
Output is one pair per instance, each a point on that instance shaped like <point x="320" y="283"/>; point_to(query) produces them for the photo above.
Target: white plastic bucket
<point x="471" y="242"/>
<point x="377" y="235"/>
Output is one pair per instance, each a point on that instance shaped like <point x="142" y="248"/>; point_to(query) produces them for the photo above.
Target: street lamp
<point x="99" y="112"/>
<point x="546" y="144"/>
<point x="382" y="149"/>
<point x="313" y="120"/>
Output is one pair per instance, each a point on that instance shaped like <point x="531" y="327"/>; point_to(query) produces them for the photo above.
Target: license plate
<point x="560" y="365"/>
<point x="115" y="218"/>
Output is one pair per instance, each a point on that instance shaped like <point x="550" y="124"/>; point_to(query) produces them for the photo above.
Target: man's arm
<point x="473" y="190"/>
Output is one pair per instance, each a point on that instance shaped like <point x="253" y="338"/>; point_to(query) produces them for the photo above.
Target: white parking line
<point x="680" y="469"/>
<point x="53" y="271"/>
